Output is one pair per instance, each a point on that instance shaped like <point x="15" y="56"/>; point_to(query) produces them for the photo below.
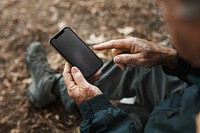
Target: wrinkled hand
<point x="138" y="52"/>
<point x="78" y="88"/>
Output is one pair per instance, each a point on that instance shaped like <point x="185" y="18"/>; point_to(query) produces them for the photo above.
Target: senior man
<point x="174" y="114"/>
<point x="163" y="102"/>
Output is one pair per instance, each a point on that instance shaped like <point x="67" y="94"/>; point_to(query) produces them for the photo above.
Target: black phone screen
<point x="76" y="52"/>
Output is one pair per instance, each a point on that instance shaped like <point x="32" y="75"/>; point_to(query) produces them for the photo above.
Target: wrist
<point x="91" y="93"/>
<point x="169" y="57"/>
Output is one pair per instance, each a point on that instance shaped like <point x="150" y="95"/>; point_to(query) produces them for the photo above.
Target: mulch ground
<point x="95" y="21"/>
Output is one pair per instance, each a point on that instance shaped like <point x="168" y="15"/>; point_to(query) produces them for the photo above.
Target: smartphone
<point x="76" y="52"/>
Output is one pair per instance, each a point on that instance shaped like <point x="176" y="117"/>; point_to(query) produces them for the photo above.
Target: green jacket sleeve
<point x="181" y="70"/>
<point x="99" y="116"/>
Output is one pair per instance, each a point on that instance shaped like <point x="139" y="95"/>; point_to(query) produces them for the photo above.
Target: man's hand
<point x="138" y="52"/>
<point x="78" y="88"/>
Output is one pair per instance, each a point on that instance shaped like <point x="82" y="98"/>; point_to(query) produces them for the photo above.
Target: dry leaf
<point x="93" y="39"/>
<point x="61" y="25"/>
<point x="60" y="125"/>
<point x="6" y="83"/>
<point x="126" y="30"/>
<point x="48" y="115"/>
<point x="57" y="117"/>
<point x="14" y="131"/>
<point x="165" y="42"/>
<point x="1" y="99"/>
<point x="27" y="81"/>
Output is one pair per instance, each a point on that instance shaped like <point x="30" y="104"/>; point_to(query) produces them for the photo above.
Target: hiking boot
<point x="40" y="92"/>
<point x="47" y="85"/>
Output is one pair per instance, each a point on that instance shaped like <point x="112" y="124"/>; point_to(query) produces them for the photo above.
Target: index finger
<point x="114" y="44"/>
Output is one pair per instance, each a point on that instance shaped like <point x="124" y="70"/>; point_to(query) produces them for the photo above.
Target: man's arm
<point x="100" y="116"/>
<point x="98" y="113"/>
<point x="181" y="69"/>
<point x="139" y="52"/>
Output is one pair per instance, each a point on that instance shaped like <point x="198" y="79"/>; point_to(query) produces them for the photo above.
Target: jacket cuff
<point x="94" y="105"/>
<point x="182" y="68"/>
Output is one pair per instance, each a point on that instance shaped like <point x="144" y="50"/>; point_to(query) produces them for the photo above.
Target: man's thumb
<point x="78" y="76"/>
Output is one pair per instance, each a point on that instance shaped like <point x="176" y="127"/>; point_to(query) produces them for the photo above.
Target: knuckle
<point x="113" y="43"/>
<point x="129" y="60"/>
<point x="131" y="39"/>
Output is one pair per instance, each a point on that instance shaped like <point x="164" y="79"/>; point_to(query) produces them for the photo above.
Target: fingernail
<point x="74" y="70"/>
<point x="94" y="46"/>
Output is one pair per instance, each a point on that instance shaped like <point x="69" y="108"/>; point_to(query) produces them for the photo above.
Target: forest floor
<point x="95" y="21"/>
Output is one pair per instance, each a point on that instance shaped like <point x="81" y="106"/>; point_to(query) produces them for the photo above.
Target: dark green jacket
<point x="173" y="115"/>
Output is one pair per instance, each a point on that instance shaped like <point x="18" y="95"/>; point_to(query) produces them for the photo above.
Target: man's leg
<point x="42" y="76"/>
<point x="47" y="85"/>
<point x="147" y="83"/>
